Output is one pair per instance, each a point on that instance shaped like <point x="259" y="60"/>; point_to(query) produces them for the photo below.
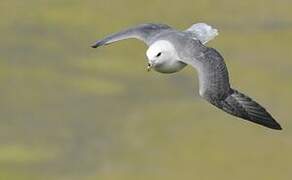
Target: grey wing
<point x="215" y="88"/>
<point x="143" y="32"/>
<point x="240" y="105"/>
<point x="212" y="71"/>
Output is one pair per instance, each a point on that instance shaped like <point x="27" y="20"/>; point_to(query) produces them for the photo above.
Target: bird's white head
<point x="163" y="57"/>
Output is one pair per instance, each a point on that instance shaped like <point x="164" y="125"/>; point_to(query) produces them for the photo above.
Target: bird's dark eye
<point x="159" y="54"/>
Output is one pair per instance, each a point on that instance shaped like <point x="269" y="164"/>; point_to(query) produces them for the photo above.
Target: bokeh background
<point x="69" y="112"/>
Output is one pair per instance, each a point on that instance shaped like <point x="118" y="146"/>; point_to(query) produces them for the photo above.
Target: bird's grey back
<point x="212" y="70"/>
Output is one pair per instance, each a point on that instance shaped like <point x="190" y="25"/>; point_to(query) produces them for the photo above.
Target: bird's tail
<point x="244" y="107"/>
<point x="202" y="32"/>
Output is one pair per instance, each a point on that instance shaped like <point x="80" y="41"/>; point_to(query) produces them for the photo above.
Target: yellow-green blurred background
<point x="69" y="112"/>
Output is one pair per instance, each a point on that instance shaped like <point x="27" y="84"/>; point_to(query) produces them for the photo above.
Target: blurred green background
<point x="69" y="112"/>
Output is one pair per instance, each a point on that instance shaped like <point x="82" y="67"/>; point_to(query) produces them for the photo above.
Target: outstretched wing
<point x="211" y="68"/>
<point x="215" y="88"/>
<point x="143" y="32"/>
<point x="244" y="107"/>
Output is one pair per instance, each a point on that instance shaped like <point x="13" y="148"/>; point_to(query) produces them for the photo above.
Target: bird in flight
<point x="170" y="50"/>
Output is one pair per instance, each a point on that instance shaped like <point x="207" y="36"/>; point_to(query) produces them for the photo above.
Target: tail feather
<point x="203" y="32"/>
<point x="244" y="107"/>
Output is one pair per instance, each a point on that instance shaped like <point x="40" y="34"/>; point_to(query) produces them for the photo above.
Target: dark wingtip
<point x="277" y="127"/>
<point x="97" y="44"/>
<point x="93" y="46"/>
<point x="274" y="125"/>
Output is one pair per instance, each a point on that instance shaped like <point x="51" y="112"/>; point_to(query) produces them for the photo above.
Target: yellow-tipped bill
<point x="149" y="67"/>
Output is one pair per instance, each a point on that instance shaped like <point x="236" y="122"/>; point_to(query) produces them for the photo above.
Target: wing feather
<point x="215" y="88"/>
<point x="143" y="32"/>
<point x="244" y="107"/>
<point x="212" y="71"/>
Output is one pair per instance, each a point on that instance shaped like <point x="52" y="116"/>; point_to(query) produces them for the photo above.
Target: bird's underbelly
<point x="169" y="67"/>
